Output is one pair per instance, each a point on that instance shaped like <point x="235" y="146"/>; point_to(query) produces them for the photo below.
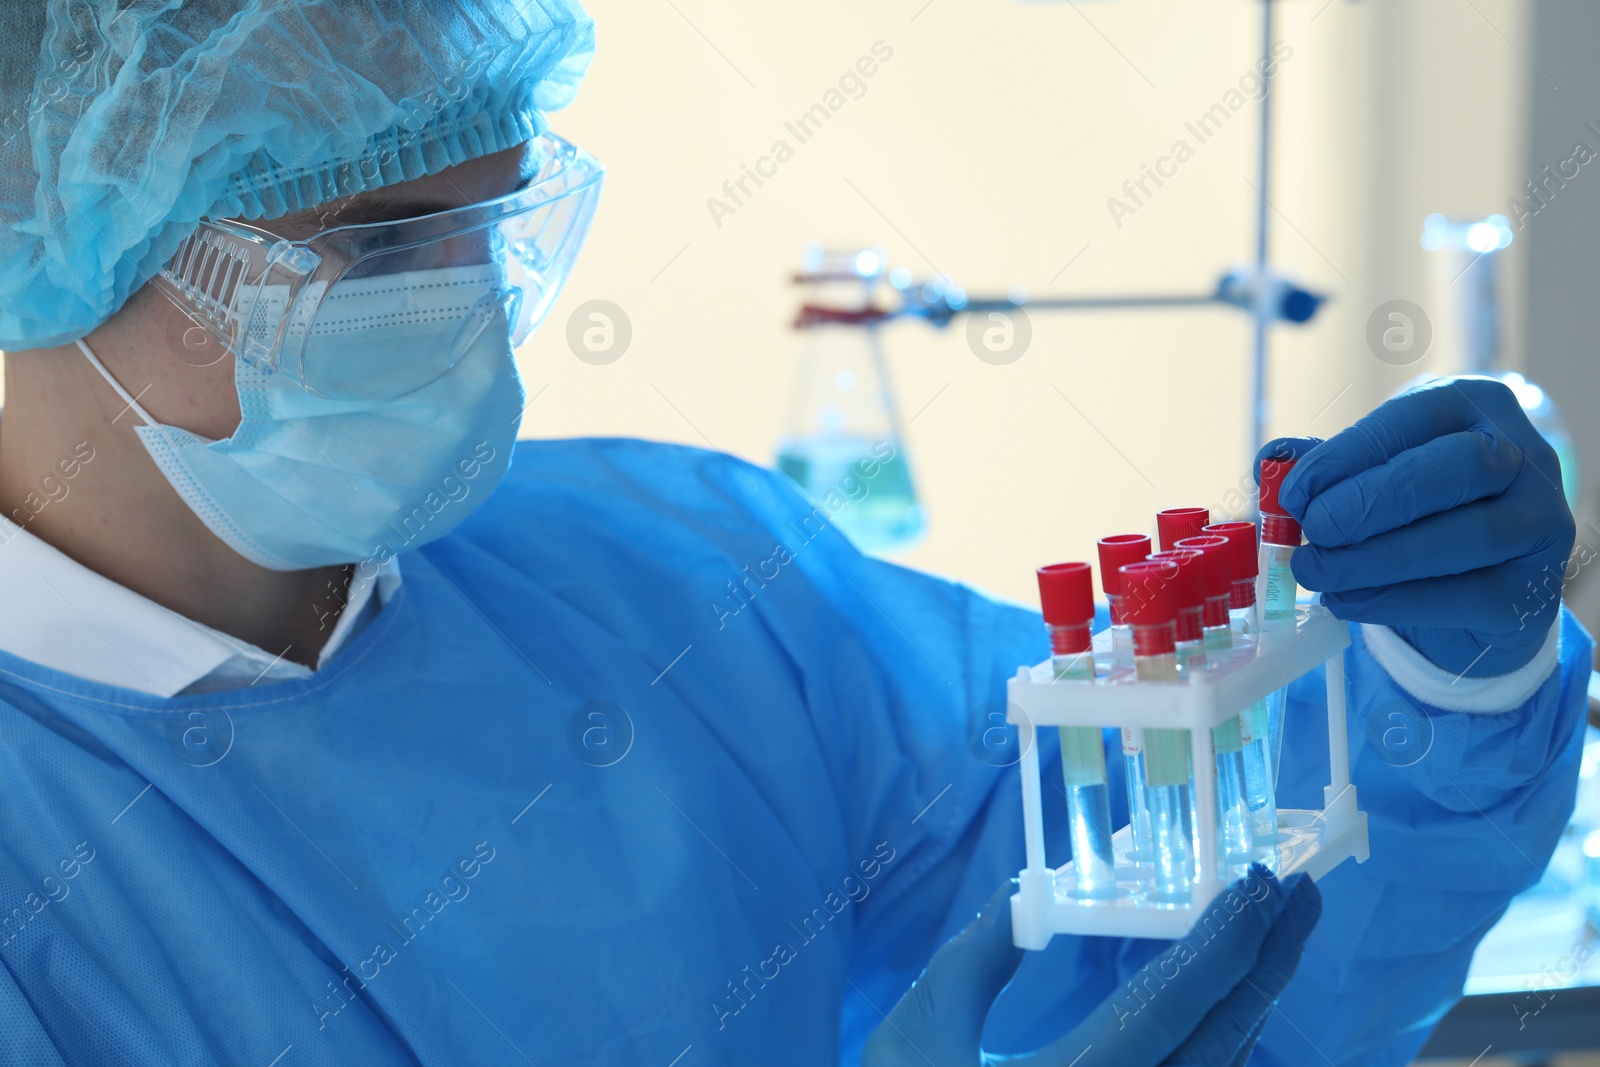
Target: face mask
<point x="307" y="481"/>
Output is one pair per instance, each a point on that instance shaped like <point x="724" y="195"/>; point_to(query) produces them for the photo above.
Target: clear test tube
<point x="1245" y="565"/>
<point x="1174" y="524"/>
<point x="1066" y="593"/>
<point x="1189" y="603"/>
<point x="1149" y="607"/>
<point x="1276" y="586"/>
<point x="1114" y="552"/>
<point x="1235" y="818"/>
<point x="1280" y="536"/>
<point x="1259" y="775"/>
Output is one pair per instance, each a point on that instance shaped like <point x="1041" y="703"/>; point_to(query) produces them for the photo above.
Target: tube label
<point x="1227" y="737"/>
<point x="1253" y="722"/>
<point x="1166" y="757"/>
<point x="1278" y="604"/>
<point x="1083" y="756"/>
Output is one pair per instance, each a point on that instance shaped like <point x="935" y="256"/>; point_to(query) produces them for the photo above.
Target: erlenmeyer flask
<point x="842" y="441"/>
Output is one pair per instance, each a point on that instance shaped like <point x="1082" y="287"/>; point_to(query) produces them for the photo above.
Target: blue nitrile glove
<point x="1441" y="515"/>
<point x="1217" y="987"/>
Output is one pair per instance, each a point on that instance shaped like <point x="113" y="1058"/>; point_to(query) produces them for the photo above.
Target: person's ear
<point x="154" y="347"/>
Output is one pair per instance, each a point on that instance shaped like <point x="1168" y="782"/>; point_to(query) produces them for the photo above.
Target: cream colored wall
<point x="986" y="148"/>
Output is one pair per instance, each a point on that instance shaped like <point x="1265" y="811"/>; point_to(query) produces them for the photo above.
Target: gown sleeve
<point x="1463" y="814"/>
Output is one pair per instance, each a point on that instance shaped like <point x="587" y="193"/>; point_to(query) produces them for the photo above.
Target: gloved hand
<point x="1215" y="997"/>
<point x="1441" y="515"/>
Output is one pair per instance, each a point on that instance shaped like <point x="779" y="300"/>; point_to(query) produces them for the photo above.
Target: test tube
<point x="1235" y="817"/>
<point x="1115" y="551"/>
<point x="1066" y="593"/>
<point x="1280" y="536"/>
<point x="1148" y="606"/>
<point x="1242" y="604"/>
<point x="1253" y="723"/>
<point x="1275" y="585"/>
<point x="1216" y="589"/>
<point x="1189" y="603"/>
<point x="1174" y="524"/>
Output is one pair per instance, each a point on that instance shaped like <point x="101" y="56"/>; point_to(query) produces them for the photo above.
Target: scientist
<point x="337" y="728"/>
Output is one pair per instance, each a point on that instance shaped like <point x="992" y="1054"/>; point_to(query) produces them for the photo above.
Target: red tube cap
<point x="1066" y="592"/>
<point x="1188" y="589"/>
<point x="1148" y="597"/>
<point x="1273" y="472"/>
<point x="1116" y="551"/>
<point x="1277" y="526"/>
<point x="1242" y="536"/>
<point x="1216" y="569"/>
<point x="1174" y="524"/>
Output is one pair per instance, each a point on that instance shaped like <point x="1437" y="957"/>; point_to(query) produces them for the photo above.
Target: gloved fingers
<point x="1498" y="408"/>
<point x="1436" y="476"/>
<point x="1485" y="600"/>
<point x="1229" y="1033"/>
<point x="1157" y="1009"/>
<point x="1408" y="421"/>
<point x="1483" y="534"/>
<point x="940" y="1019"/>
<point x="1296" y="448"/>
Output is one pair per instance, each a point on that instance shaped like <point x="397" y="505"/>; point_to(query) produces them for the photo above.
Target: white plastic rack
<point x="1311" y="841"/>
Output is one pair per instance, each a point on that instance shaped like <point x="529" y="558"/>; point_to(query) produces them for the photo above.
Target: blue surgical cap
<point x="125" y="122"/>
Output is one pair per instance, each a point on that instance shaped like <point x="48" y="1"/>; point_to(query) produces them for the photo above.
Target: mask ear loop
<point x="123" y="393"/>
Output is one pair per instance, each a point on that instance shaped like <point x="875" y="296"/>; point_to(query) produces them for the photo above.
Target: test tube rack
<point x="1311" y="841"/>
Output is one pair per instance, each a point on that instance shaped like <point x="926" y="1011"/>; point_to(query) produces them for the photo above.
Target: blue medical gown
<point x="645" y="761"/>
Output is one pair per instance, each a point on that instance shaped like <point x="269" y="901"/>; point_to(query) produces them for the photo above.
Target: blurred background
<point x="986" y="147"/>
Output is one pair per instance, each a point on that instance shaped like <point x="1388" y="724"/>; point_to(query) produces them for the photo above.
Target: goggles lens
<point x="378" y="311"/>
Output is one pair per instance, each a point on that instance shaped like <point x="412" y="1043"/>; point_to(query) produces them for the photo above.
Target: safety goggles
<point x="263" y="297"/>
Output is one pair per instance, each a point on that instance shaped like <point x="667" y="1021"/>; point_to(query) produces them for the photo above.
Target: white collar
<point x="62" y="615"/>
